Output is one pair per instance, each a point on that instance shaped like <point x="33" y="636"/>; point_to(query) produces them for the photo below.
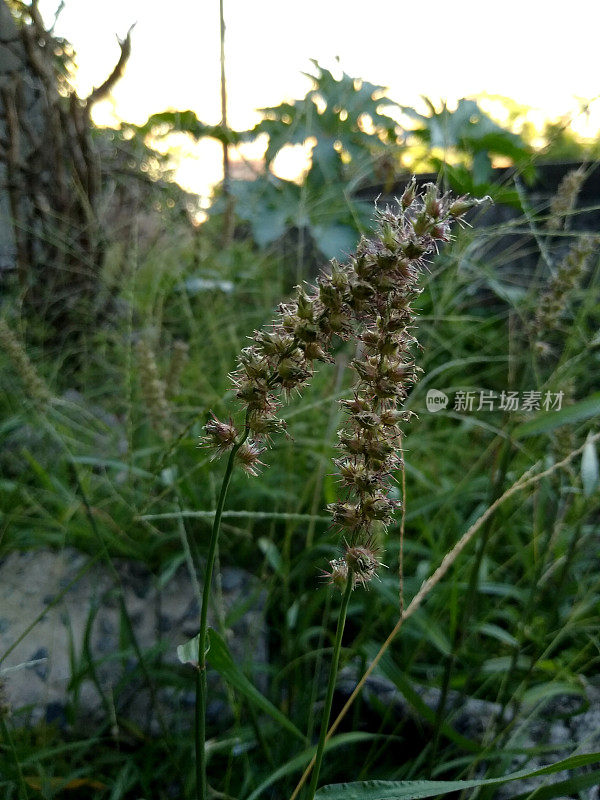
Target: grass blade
<point x="413" y="790"/>
<point x="220" y="659"/>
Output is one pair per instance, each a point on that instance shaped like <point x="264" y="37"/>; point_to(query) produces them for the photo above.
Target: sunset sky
<point x="541" y="54"/>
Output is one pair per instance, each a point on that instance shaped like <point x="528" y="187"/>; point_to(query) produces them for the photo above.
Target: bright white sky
<point x="541" y="53"/>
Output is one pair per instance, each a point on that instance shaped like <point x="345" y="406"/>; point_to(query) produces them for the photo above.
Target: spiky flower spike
<point x="153" y="389"/>
<point x="15" y="350"/>
<point x="179" y="358"/>
<point x="368" y="298"/>
<point x="564" y="200"/>
<point x="554" y="302"/>
<point x="387" y="269"/>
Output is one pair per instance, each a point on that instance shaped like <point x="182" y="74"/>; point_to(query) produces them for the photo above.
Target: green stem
<point x="11" y="746"/>
<point x="201" y="684"/>
<point x="468" y="607"/>
<point x="331" y="686"/>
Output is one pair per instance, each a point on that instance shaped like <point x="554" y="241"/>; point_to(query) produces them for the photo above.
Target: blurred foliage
<point x="354" y="138"/>
<point x="461" y="144"/>
<point x="345" y="119"/>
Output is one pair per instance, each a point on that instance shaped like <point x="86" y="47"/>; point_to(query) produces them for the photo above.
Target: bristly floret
<point x="359" y="564"/>
<point x="221" y="436"/>
<point x="362" y="562"/>
<point x="248" y="456"/>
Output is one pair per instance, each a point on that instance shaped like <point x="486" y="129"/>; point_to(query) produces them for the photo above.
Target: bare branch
<point x="115" y="75"/>
<point x="57" y="14"/>
<point x="15" y="180"/>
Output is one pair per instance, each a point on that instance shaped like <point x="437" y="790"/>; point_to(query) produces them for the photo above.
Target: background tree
<point x="51" y="241"/>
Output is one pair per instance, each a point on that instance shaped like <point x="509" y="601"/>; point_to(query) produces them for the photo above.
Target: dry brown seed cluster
<point x="368" y="298"/>
<point x="15" y="350"/>
<point x="564" y="200"/>
<point x="553" y="302"/>
<point x="153" y="389"/>
<point x="179" y="358"/>
<point x="221" y="436"/>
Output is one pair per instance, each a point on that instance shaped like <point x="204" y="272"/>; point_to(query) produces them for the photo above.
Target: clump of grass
<point x="528" y="587"/>
<point x="367" y="300"/>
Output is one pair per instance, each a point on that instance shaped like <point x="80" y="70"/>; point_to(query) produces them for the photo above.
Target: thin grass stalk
<point x="495" y="743"/>
<point x="229" y="218"/>
<point x="317" y="672"/>
<point x="468" y="608"/>
<point x="23" y="794"/>
<point x="201" y="683"/>
<point x="504" y="697"/>
<point x="335" y="660"/>
<point x="495" y="730"/>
